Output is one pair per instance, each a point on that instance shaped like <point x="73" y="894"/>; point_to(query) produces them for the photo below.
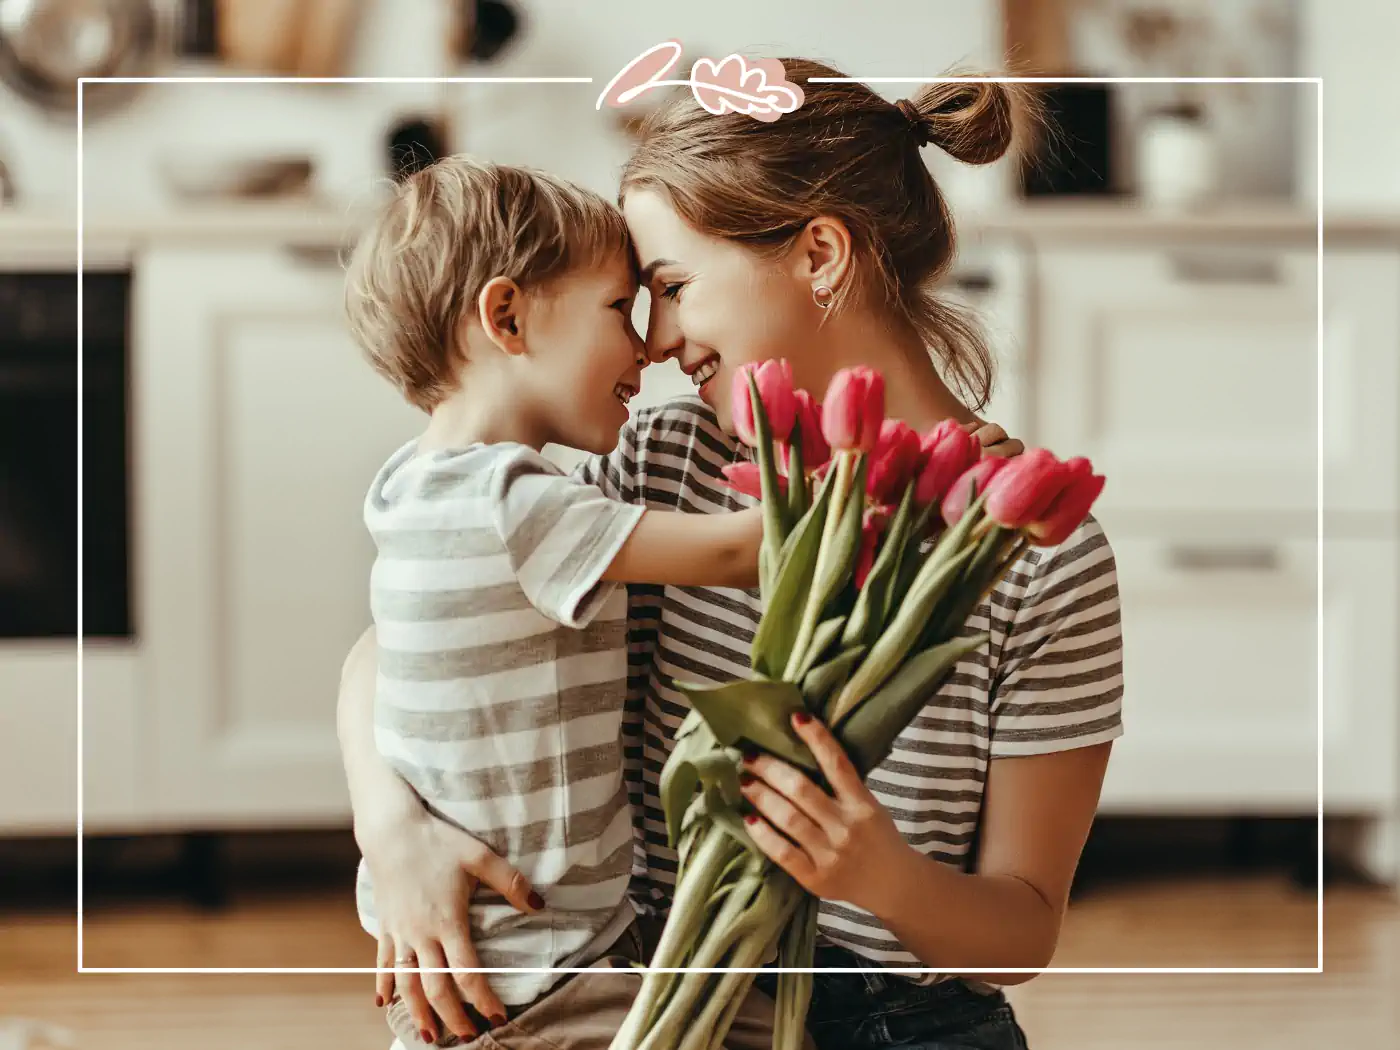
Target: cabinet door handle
<point x="1222" y="558"/>
<point x="319" y="256"/>
<point x="973" y="282"/>
<point x="1215" y="268"/>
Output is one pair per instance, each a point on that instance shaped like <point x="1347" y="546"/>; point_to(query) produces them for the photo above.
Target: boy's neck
<point x="486" y="416"/>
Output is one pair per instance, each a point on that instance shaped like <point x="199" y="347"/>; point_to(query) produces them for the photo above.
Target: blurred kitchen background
<point x="1149" y="276"/>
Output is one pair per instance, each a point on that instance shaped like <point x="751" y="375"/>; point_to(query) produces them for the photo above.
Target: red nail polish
<point x="802" y="718"/>
<point x="536" y="901"/>
<point x="379" y="1001"/>
<point x="745" y="779"/>
<point x="427" y="1037"/>
<point x="497" y="1020"/>
<point x="750" y="818"/>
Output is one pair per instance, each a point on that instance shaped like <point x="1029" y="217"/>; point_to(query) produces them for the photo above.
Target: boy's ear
<point x="501" y="309"/>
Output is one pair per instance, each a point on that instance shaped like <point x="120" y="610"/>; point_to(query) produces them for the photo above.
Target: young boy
<point x="499" y="301"/>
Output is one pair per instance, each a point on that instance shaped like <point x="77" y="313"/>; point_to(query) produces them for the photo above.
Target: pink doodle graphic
<point x="759" y="88"/>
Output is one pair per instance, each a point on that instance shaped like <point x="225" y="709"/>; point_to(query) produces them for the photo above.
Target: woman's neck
<point x="914" y="391"/>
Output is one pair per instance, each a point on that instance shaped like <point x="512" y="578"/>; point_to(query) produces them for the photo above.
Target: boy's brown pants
<point x="585" y="1010"/>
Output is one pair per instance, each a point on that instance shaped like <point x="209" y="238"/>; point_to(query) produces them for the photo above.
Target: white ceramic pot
<point x="1176" y="161"/>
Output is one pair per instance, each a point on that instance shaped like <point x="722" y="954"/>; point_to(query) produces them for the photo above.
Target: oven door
<point x="39" y="438"/>
<point x="39" y="547"/>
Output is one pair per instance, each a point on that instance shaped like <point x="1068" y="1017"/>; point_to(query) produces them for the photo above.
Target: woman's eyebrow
<point x="649" y="270"/>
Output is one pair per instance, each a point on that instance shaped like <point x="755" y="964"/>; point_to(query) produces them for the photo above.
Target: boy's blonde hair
<point x="447" y="230"/>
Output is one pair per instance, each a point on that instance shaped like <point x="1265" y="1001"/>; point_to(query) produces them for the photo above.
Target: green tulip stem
<point x="708" y="1030"/>
<point x="749" y="922"/>
<point x="846" y="461"/>
<point x="775" y="523"/>
<point x="693" y="893"/>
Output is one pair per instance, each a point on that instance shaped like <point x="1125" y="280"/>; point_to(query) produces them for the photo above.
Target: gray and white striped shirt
<point x="1049" y="679"/>
<point x="499" y="696"/>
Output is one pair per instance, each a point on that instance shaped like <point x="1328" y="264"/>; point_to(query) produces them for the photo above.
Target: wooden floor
<point x="1181" y="920"/>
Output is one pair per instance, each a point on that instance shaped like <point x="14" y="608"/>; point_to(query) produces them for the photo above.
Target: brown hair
<point x="442" y="235"/>
<point x="848" y="153"/>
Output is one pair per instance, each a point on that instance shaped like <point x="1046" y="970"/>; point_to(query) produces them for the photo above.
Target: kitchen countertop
<point x="36" y="233"/>
<point x="52" y="234"/>
<point x="1129" y="220"/>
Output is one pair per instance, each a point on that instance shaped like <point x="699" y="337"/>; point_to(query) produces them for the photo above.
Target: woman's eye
<point x="623" y="305"/>
<point x="671" y="291"/>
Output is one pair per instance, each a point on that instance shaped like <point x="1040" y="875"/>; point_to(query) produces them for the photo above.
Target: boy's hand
<point x="994" y="439"/>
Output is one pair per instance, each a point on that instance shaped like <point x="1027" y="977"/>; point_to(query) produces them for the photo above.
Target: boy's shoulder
<point x="452" y="481"/>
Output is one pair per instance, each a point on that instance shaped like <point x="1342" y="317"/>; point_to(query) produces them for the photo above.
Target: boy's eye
<point x="624" y="305"/>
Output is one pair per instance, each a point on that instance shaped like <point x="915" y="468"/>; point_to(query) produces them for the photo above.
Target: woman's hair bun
<point x="972" y="121"/>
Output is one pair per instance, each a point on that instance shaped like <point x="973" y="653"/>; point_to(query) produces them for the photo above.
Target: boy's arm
<point x="691" y="550"/>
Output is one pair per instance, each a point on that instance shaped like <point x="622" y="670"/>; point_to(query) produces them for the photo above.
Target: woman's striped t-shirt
<point x="1049" y="678"/>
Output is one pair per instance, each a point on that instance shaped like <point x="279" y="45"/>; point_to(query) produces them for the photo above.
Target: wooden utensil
<point x="261" y="36"/>
<point x="328" y="27"/>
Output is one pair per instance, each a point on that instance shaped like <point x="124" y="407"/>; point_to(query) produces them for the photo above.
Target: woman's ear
<point x="824" y="252"/>
<point x="501" y="309"/>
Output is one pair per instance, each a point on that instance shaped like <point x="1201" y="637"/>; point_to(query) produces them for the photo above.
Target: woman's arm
<point x="380" y="799"/>
<point x="1035" y="820"/>
<point x="424" y="872"/>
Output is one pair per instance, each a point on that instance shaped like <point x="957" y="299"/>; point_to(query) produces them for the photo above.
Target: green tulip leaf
<point x="902" y="635"/>
<point x="868" y="618"/>
<point x="774" y="507"/>
<point x="777" y="630"/>
<point x="824" y="679"/>
<point x="822" y="639"/>
<point x="797" y="476"/>
<point x="868" y="732"/>
<point x="757" y="711"/>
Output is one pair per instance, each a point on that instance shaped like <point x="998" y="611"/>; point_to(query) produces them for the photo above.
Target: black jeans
<point x="876" y="1009"/>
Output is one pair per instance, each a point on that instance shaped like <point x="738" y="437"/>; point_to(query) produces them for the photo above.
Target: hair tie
<point x="917" y="124"/>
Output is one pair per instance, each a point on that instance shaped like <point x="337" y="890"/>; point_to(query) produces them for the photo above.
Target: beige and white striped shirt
<point x="502" y="663"/>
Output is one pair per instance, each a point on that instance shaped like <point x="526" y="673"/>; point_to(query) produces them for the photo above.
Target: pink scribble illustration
<point x="759" y="88"/>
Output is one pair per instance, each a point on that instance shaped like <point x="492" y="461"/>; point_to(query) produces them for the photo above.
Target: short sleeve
<point x="615" y="474"/>
<point x="560" y="535"/>
<point x="1059" y="683"/>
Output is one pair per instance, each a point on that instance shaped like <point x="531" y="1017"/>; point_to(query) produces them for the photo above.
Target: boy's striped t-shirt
<point x="1049" y="678"/>
<point x="502" y="662"/>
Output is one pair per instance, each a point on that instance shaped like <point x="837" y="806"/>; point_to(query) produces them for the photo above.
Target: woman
<point x="816" y="238"/>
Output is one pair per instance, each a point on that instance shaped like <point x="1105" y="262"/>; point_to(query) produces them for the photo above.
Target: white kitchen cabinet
<point x="258" y="429"/>
<point x="1189" y="374"/>
<point x="39" y="719"/>
<point x="1221" y="650"/>
<point x="1220" y="665"/>
<point x="1361" y="380"/>
<point x="1361" y="676"/>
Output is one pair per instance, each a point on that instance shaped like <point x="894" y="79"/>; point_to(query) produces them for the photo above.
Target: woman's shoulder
<point x="682" y="426"/>
<point x="1047" y="586"/>
<point x="1085" y="551"/>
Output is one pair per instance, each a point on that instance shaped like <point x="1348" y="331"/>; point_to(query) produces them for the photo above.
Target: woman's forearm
<point x="378" y="795"/>
<point x="977" y="921"/>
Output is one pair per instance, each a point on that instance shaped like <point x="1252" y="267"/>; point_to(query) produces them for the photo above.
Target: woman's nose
<point x="663" y="338"/>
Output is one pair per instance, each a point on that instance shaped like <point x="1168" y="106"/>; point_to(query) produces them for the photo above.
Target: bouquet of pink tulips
<point x="878" y="545"/>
